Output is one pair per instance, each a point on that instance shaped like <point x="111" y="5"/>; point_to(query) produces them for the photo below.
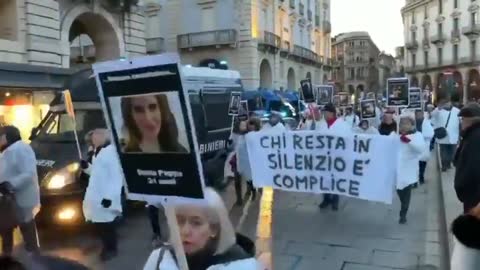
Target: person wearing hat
<point x="338" y="126"/>
<point x="467" y="158"/>
<point x="410" y="151"/>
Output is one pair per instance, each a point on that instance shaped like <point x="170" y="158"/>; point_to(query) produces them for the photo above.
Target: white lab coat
<point x="168" y="263"/>
<point x="408" y="158"/>
<point x="352" y="120"/>
<point x="370" y="130"/>
<point x="339" y="127"/>
<point x="278" y="127"/>
<point x="427" y="132"/>
<point x="308" y="125"/>
<point x="439" y="119"/>
<point x="18" y="166"/>
<point x="106" y="182"/>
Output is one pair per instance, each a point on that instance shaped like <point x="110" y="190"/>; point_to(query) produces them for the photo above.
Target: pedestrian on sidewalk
<point x="18" y="168"/>
<point x="424" y="126"/>
<point x="338" y="126"/>
<point x="102" y="204"/>
<point x="446" y="125"/>
<point x="411" y="149"/>
<point x="208" y="239"/>
<point x="467" y="158"/>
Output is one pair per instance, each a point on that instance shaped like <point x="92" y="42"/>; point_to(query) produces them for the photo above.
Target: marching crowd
<point x="207" y="234"/>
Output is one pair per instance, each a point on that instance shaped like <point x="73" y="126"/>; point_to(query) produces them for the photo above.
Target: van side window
<point x="216" y="102"/>
<point x="197" y="111"/>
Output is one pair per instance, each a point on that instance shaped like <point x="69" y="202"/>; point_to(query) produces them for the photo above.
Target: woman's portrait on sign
<point x="151" y="123"/>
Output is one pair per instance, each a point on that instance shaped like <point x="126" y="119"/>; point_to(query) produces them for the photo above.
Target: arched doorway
<point x="414" y="81"/>
<point x="458" y="85"/>
<point x="266" y="79"/>
<point x="291" y="83"/>
<point x="351" y="89"/>
<point x="441" y="86"/>
<point x="473" y="85"/>
<point x="426" y="83"/>
<point x="92" y="36"/>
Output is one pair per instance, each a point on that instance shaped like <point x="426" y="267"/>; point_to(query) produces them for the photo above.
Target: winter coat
<point x="168" y="262"/>
<point x="427" y="132"/>
<point x="408" y="159"/>
<point x="18" y="167"/>
<point x="466" y="249"/>
<point x="467" y="163"/>
<point x="106" y="182"/>
<point x="439" y="119"/>
<point x="351" y="120"/>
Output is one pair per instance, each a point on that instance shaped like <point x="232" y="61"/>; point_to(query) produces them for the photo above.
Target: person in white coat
<point x="411" y="149"/>
<point x="351" y="118"/>
<point x="365" y="128"/>
<point x="338" y="126"/>
<point x="102" y="204"/>
<point x="424" y="126"/>
<point x="445" y="117"/>
<point x="18" y="169"/>
<point x="274" y="123"/>
<point x="208" y="239"/>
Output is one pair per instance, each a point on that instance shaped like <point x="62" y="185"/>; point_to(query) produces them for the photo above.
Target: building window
<point x="455" y="4"/>
<point x="440" y="6"/>
<point x="474" y="18"/>
<point x="456" y="26"/>
<point x="425" y="32"/>
<point x="455" y="53"/>
<point x="440" y="56"/>
<point x="414" y="35"/>
<point x="425" y="58"/>
<point x="413" y="17"/>
<point x="8" y="20"/>
<point x="425" y="13"/>
<point x="414" y="59"/>
<point x="473" y="49"/>
<point x="440" y="29"/>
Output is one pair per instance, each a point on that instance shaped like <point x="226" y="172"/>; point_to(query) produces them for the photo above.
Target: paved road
<point x="361" y="236"/>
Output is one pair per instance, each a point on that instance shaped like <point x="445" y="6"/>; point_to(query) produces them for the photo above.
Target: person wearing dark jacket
<point x="467" y="158"/>
<point x="388" y="124"/>
<point x="40" y="262"/>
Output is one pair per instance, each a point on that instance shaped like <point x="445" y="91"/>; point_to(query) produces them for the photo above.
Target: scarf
<point x="331" y="121"/>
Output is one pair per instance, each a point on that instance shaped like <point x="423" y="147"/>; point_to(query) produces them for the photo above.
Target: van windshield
<point x="59" y="126"/>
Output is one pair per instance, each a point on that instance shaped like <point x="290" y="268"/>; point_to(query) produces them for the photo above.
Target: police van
<point x="63" y="182"/>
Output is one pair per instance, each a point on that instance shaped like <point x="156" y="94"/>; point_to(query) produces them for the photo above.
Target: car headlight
<point x="63" y="177"/>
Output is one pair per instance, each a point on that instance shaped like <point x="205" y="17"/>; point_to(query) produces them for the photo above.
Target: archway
<point x="101" y="36"/>
<point x="427" y="83"/>
<point x="266" y="79"/>
<point x="440" y="88"/>
<point x="291" y="83"/>
<point x="414" y="81"/>
<point x="458" y="86"/>
<point x="473" y="85"/>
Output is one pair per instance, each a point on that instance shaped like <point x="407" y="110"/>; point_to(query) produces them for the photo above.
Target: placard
<point x="235" y="98"/>
<point x="359" y="166"/>
<point x="324" y="94"/>
<point x="367" y="109"/>
<point x="336" y="100"/>
<point x="307" y="91"/>
<point x="416" y="95"/>
<point x="149" y="114"/>
<point x="397" y="92"/>
<point x="344" y="99"/>
<point x="243" y="112"/>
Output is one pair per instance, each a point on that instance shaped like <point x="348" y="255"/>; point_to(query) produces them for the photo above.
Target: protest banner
<point x="415" y="94"/>
<point x="152" y="127"/>
<point x="359" y="166"/>
<point x="233" y="108"/>
<point x="368" y="109"/>
<point x="324" y="94"/>
<point x="308" y="94"/>
<point x="344" y="99"/>
<point x="397" y="92"/>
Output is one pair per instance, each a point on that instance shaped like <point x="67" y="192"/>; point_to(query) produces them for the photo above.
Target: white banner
<point x="360" y="166"/>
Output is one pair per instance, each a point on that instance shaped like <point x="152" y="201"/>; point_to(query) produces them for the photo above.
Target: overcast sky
<point x="381" y="18"/>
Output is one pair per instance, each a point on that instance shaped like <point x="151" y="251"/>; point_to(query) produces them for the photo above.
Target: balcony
<point x="208" y="38"/>
<point x="155" y="45"/>
<point x="310" y="15"/>
<point x="317" y="21"/>
<point x="269" y="41"/>
<point x="285" y="49"/>
<point x="437" y="39"/>
<point x="412" y="45"/>
<point x="472" y="30"/>
<point x="301" y="9"/>
<point x="292" y="4"/>
<point x="469" y="60"/>
<point x="361" y="77"/>
<point x="305" y="54"/>
<point x="327" y="26"/>
<point x="455" y="35"/>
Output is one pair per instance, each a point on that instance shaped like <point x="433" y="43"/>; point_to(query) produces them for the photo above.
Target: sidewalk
<point x="362" y="235"/>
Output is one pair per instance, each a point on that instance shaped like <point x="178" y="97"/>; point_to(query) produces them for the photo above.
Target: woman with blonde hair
<point x="208" y="238"/>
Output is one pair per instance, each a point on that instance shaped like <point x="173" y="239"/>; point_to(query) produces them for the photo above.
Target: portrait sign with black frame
<point x="368" y="109"/>
<point x="234" y="107"/>
<point x="308" y="94"/>
<point x="398" y="92"/>
<point x="344" y="99"/>
<point x="243" y="112"/>
<point x="149" y="114"/>
<point x="324" y="94"/>
<point x="415" y="94"/>
<point x="336" y="100"/>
